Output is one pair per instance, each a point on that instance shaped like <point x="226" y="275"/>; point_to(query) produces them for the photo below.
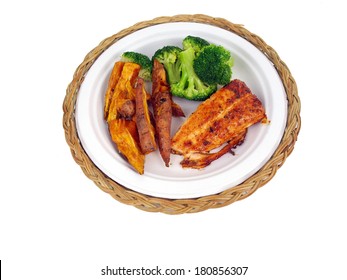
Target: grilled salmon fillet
<point x="221" y="119"/>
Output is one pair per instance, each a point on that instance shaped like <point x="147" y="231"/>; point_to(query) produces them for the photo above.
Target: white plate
<point x="250" y="66"/>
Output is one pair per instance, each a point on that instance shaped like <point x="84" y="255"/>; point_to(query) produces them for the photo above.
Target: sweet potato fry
<point x="177" y="110"/>
<point x="162" y="109"/>
<point x="124" y="135"/>
<point x="143" y="121"/>
<point x="119" y="110"/>
<point x="126" y="109"/>
<point x="124" y="89"/>
<point x="113" y="80"/>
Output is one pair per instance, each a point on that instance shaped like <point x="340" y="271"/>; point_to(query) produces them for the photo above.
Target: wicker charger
<point x="179" y="206"/>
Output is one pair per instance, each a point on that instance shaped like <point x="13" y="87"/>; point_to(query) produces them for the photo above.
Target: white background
<point x="56" y="224"/>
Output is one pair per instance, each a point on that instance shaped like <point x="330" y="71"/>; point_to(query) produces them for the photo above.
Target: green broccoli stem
<point x="188" y="74"/>
<point x="187" y="57"/>
<point x="173" y="72"/>
<point x="190" y="86"/>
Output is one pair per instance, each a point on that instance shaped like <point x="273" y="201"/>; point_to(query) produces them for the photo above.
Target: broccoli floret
<point x="179" y="68"/>
<point x="197" y="43"/>
<point x="142" y="60"/>
<point x="213" y="65"/>
<point x="168" y="56"/>
<point x="190" y="86"/>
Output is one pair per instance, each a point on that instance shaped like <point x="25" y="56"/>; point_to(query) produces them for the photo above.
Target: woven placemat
<point x="179" y="206"/>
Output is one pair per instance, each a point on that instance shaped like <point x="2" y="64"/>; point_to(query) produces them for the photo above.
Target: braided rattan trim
<point x="179" y="206"/>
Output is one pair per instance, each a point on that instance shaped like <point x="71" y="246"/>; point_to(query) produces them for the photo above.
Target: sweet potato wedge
<point x="145" y="128"/>
<point x="112" y="82"/>
<point x="124" y="89"/>
<point x="176" y="110"/>
<point x="162" y="109"/>
<point x="126" y="109"/>
<point x="119" y="111"/>
<point x="124" y="135"/>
